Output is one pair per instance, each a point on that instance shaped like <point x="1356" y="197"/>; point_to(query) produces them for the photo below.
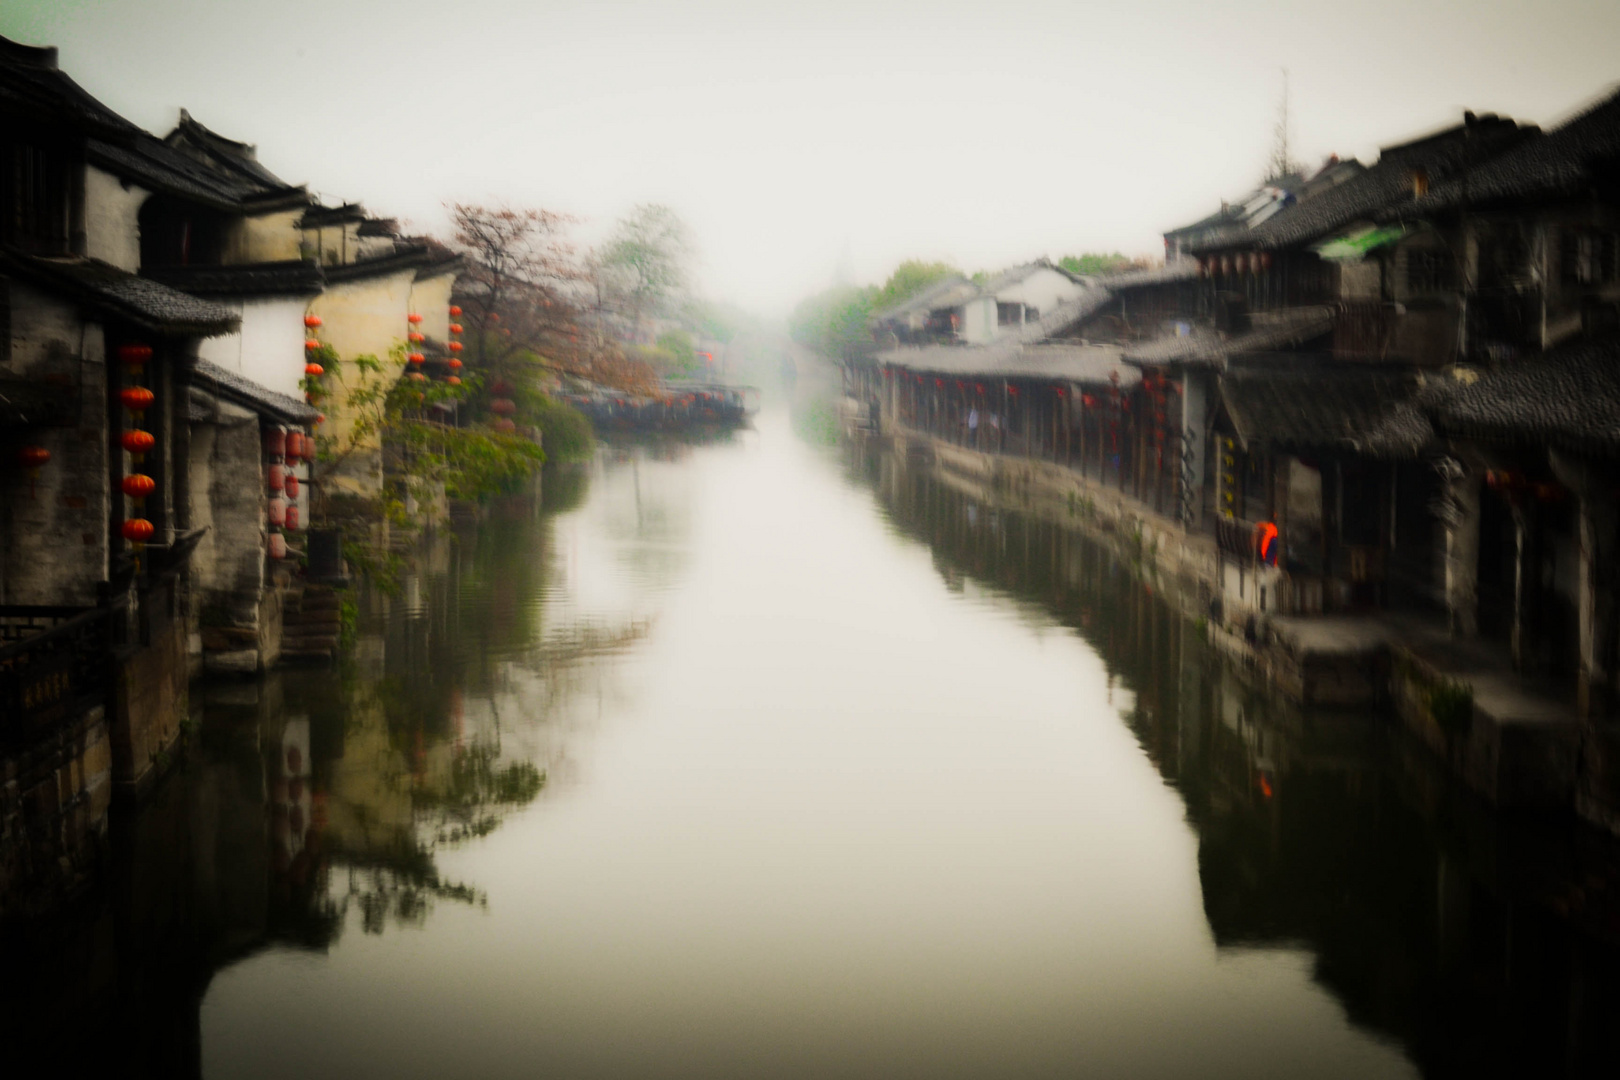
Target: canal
<point x="761" y="758"/>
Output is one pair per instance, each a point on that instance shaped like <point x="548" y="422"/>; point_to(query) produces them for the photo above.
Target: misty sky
<point x="798" y="138"/>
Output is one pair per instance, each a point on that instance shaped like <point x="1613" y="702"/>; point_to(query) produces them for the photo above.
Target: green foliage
<point x="566" y="432"/>
<point x="650" y="251"/>
<point x="910" y="278"/>
<point x="681" y="352"/>
<point x="833" y="322"/>
<point x="1093" y="262"/>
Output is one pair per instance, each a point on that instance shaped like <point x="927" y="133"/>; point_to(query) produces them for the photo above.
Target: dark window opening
<point x="174" y="233"/>
<point x="1428" y="270"/>
<point x="34" y="198"/>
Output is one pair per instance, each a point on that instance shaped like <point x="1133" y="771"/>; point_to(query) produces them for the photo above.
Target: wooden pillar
<point x="1462" y="549"/>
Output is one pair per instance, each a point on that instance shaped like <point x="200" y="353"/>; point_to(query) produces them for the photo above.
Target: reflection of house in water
<point x="1487" y="945"/>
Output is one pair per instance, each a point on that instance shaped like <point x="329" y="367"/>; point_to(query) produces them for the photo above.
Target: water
<point x="761" y="759"/>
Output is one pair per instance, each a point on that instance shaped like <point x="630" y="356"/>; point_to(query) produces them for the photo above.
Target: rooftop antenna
<point x="1282" y="163"/>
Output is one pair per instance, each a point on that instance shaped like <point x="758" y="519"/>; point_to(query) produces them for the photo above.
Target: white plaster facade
<point x="269" y="349"/>
<point x="111" y="209"/>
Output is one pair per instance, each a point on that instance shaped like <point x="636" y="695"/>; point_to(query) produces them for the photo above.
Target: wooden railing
<point x="54" y="663"/>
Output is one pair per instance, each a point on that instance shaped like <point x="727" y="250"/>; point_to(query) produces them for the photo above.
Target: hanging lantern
<point x="295" y="445"/>
<point x="1059" y="391"/>
<point x="292" y="485"/>
<point x="137" y="531"/>
<point x="314" y="371"/>
<point x="277" y="509"/>
<point x="310" y="345"/>
<point x="454" y="346"/>
<point x="292" y="517"/>
<point x="413" y="318"/>
<point x="309" y="449"/>
<point x="455" y="312"/>
<point x="417" y="376"/>
<point x="1013" y="390"/>
<point x="504" y="426"/>
<point x="501" y="386"/>
<point x="416" y="358"/>
<point x="455" y="327"/>
<point x="275" y="441"/>
<point x="453" y="380"/>
<point x="278" y="477"/>
<point x="1265" y="260"/>
<point x="137" y="442"/>
<point x="136" y="398"/>
<point x="453" y="363"/>
<point x="494" y="316"/>
<point x="278" y="546"/>
<point x="416" y="336"/>
<point x="134" y="355"/>
<point x="506" y="406"/>
<point x="320" y="418"/>
<point x="312" y="321"/>
<point x="138" y="485"/>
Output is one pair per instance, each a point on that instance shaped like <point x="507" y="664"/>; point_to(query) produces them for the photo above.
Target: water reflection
<point x="719" y="761"/>
<point x="1487" y="945"/>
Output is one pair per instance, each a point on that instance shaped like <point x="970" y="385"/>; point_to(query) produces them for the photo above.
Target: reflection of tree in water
<point x="464" y="807"/>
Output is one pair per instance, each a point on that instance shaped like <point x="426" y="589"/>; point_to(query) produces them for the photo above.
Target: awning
<point x="1355" y="245"/>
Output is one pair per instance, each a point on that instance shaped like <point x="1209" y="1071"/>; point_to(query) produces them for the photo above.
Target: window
<point x="1588" y="257"/>
<point x="34" y="198"/>
<point x="1428" y="270"/>
<point x="1007" y="314"/>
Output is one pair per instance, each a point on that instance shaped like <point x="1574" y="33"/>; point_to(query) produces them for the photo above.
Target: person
<point x="973" y="425"/>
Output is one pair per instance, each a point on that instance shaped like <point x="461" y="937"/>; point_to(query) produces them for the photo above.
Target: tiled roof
<point x="1063" y="363"/>
<point x="403" y="257"/>
<point x="1364" y="409"/>
<point x="1377" y="191"/>
<point x="947" y="292"/>
<point x="117" y="292"/>
<point x="1175" y="270"/>
<point x="1569" y="396"/>
<point x="155" y="165"/>
<point x="1561" y="160"/>
<point x="32" y="86"/>
<point x="246" y="392"/>
<point x="291" y="278"/>
<point x="1206" y="348"/>
<point x="239" y="159"/>
<point x="318" y="216"/>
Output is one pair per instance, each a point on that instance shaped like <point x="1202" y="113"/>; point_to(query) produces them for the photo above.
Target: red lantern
<point x="137" y="530"/>
<point x="134" y="355"/>
<point x="292" y="517"/>
<point x="417" y="376"/>
<point x="314" y="370"/>
<point x="278" y="546"/>
<point x="275" y="441"/>
<point x="494" y="316"/>
<point x="292" y="486"/>
<point x="277" y="510"/>
<point x="504" y="426"/>
<point x="33" y="457"/>
<point x="312" y="321"/>
<point x="455" y="311"/>
<point x="416" y="336"/>
<point x="1013" y="390"/>
<point x="320" y="418"/>
<point x="453" y="380"/>
<point x="310" y="344"/>
<point x="455" y="327"/>
<point x="505" y="406"/>
<point x="1265" y="260"/>
<point x="136" y="398"/>
<point x="278" y="477"/>
<point x="137" y="442"/>
<point x="416" y="358"/>
<point x="413" y="318"/>
<point x="295" y="445"/>
<point x="138" y="485"/>
<point x="453" y="362"/>
<point x="501" y="386"/>
<point x="454" y="346"/>
<point x="309" y="448"/>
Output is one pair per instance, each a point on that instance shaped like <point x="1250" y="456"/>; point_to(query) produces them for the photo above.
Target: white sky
<point x="794" y="137"/>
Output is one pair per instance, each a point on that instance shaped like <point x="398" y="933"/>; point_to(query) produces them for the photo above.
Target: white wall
<point x="1043" y="290"/>
<point x="979" y="321"/>
<point x="112" y="231"/>
<point x="269" y="349"/>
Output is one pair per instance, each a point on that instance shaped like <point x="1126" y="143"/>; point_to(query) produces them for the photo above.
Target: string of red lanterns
<point x="136" y="441"/>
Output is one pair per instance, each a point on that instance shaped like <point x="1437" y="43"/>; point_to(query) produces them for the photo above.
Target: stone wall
<point x="54" y="797"/>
